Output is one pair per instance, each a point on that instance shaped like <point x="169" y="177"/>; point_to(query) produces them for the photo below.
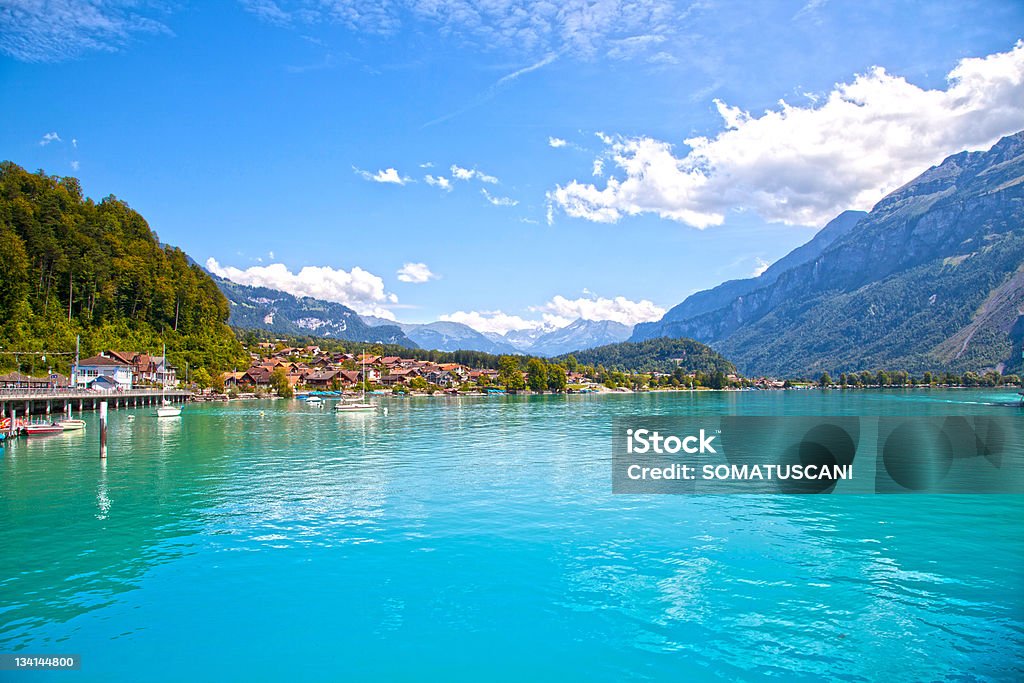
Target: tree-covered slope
<point x="71" y="265"/>
<point x="655" y="355"/>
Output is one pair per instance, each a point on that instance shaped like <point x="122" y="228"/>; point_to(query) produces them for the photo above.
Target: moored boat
<point x="43" y="429"/>
<point x="168" y="410"/>
<point x="71" y="424"/>
<point x="354" y="406"/>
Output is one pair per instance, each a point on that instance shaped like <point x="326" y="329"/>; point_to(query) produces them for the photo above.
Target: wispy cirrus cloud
<point x="805" y="164"/>
<point x="267" y="10"/>
<point x="387" y="176"/>
<point x="582" y="28"/>
<point x="495" y="88"/>
<point x="460" y="173"/>
<point x="57" y="30"/>
<point x="498" y="201"/>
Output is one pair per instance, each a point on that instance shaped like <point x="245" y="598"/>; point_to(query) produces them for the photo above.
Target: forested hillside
<point x="71" y="265"/>
<point x="655" y="355"/>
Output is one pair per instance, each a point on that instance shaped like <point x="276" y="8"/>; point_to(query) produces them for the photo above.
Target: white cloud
<point x="460" y="173"/>
<point x="620" y="309"/>
<point x="495" y="322"/>
<point x="761" y="266"/>
<point x="598" y="169"/>
<point x="498" y="201"/>
<point x="358" y="289"/>
<point x="388" y="175"/>
<point x="559" y="312"/>
<point x="74" y="165"/>
<point x="48" y="138"/>
<point x="439" y="181"/>
<point x="417" y="273"/>
<point x="427" y="164"/>
<point x="557" y="142"/>
<point x="52" y="31"/>
<point x="74" y="142"/>
<point x="804" y="165"/>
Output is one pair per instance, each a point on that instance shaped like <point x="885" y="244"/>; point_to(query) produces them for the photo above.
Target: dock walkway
<point x="40" y="401"/>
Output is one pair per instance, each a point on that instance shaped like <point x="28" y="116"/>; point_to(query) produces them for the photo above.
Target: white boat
<point x="353" y="405"/>
<point x="314" y="400"/>
<point x="71" y="424"/>
<point x="166" y="409"/>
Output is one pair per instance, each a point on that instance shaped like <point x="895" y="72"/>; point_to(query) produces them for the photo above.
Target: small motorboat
<point x="71" y="424"/>
<point x="315" y="401"/>
<point x="43" y="429"/>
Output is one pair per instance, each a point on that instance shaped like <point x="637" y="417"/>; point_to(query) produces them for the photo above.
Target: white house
<point x="116" y="374"/>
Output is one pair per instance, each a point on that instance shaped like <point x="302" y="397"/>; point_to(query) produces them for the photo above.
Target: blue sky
<point x="613" y="157"/>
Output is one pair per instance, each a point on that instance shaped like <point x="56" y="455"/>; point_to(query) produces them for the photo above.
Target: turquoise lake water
<point x="478" y="539"/>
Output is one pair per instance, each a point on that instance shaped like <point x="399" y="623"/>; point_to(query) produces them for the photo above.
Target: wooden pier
<point x="45" y="401"/>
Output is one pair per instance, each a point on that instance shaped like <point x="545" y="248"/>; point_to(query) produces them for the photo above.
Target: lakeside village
<point x="279" y="370"/>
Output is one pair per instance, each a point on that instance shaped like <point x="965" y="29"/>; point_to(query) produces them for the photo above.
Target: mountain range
<point x="453" y="336"/>
<point x="931" y="278"/>
<point x="270" y="309"/>
<point x="276" y="311"/>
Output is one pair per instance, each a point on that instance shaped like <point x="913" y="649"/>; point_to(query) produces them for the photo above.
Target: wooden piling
<point x="103" y="429"/>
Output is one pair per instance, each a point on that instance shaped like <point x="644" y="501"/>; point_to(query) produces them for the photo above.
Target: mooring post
<point x="103" y="429"/>
<point x="14" y="420"/>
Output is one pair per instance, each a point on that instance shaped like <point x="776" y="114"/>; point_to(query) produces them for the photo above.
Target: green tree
<point x="509" y="374"/>
<point x="557" y="379"/>
<point x="536" y="375"/>
<point x="279" y="382"/>
<point x="825" y="380"/>
<point x="201" y="378"/>
<point x="418" y="384"/>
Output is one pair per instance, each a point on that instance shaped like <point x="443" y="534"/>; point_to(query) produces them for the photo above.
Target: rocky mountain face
<point x="269" y="309"/>
<point x="580" y="334"/>
<point x="717" y="297"/>
<point x="930" y="278"/>
<point x="450" y="336"/>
